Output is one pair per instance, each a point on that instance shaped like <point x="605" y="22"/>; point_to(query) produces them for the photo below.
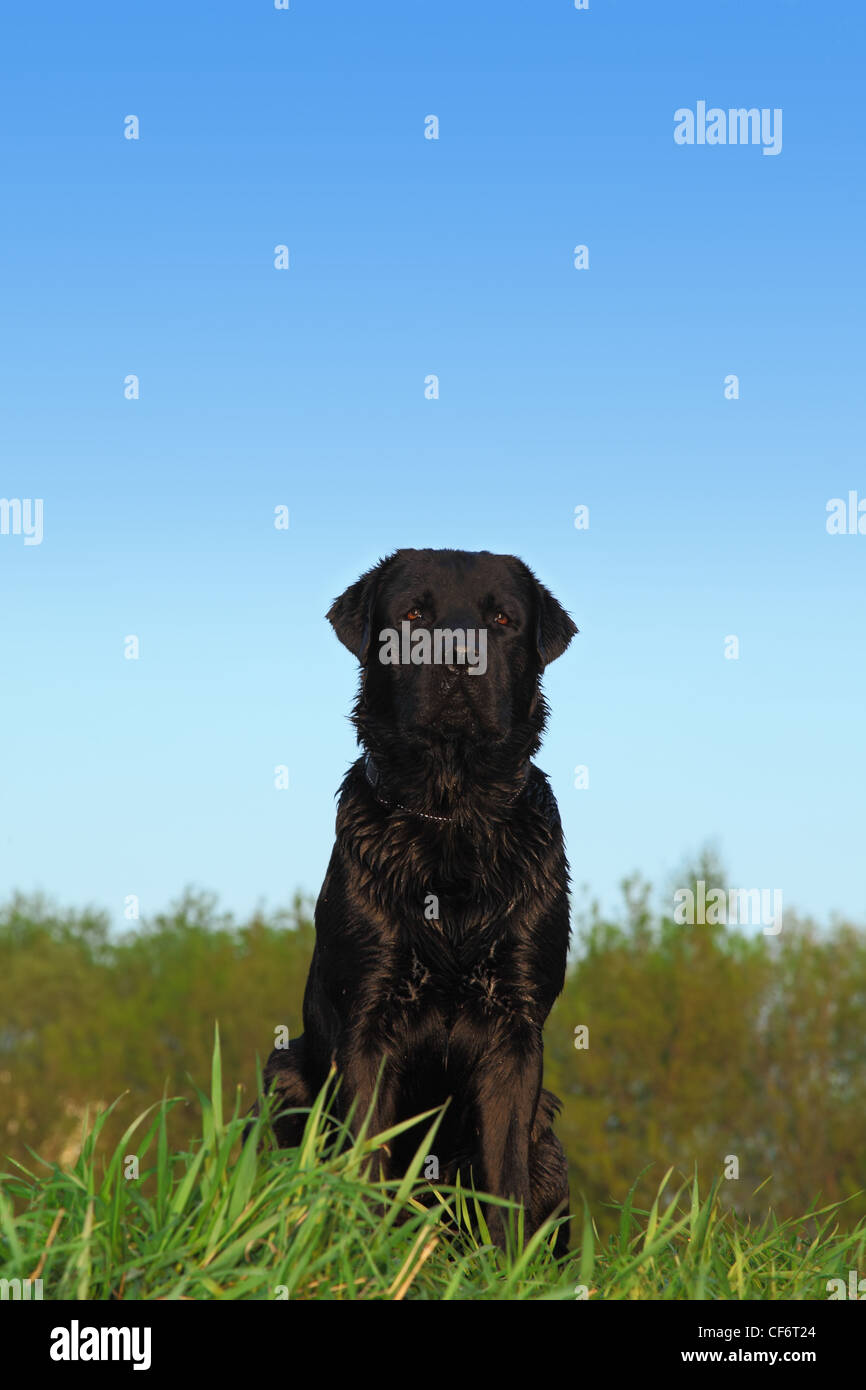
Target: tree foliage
<point x="705" y="1044"/>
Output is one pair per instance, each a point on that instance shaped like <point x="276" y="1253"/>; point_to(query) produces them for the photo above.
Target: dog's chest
<point x="461" y="959"/>
<point x="455" y="917"/>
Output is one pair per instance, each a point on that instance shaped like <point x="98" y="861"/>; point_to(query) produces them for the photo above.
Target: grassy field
<point x="224" y="1221"/>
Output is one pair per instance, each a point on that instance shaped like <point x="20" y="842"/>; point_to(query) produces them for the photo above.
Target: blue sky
<point x="305" y="387"/>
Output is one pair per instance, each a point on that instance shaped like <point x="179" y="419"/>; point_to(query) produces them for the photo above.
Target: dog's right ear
<point x="351" y="614"/>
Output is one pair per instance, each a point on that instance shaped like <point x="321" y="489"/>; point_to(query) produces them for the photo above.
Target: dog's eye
<point x="502" y="619"/>
<point x="413" y="615"/>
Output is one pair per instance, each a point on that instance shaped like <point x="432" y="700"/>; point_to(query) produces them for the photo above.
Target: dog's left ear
<point x="554" y="628"/>
<point x="351" y="614"/>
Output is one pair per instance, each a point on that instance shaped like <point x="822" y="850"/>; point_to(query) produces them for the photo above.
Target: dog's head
<point x="452" y="644"/>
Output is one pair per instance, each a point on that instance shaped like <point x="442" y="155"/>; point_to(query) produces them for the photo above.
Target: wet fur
<point x="455" y="1005"/>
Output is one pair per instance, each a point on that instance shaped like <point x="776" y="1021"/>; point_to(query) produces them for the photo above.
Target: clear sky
<point x="305" y="387"/>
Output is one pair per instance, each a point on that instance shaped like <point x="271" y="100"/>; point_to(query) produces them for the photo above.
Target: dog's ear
<point x="554" y="628"/>
<point x="351" y="614"/>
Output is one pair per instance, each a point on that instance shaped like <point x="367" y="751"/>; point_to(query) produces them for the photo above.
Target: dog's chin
<point x="459" y="729"/>
<point x="458" y="723"/>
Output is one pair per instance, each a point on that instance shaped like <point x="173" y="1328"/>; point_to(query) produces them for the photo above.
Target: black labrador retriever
<point x="442" y="927"/>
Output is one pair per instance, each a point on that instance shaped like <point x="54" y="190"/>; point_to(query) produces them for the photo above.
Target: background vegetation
<point x="704" y="1042"/>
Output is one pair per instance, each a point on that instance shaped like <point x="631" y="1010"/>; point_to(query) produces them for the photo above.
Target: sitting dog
<point x="442" y="927"/>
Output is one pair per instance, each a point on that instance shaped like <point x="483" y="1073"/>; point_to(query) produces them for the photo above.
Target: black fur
<point x="456" y="1004"/>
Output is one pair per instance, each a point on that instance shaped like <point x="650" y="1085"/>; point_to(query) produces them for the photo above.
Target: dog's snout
<point x="459" y="639"/>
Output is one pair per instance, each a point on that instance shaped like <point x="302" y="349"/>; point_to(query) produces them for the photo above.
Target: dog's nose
<point x="458" y="624"/>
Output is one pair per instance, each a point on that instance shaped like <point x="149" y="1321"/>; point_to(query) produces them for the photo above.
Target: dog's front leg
<point x="373" y="1095"/>
<point x="508" y="1085"/>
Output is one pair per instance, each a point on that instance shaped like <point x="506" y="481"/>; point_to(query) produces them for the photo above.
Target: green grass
<point x="226" y="1222"/>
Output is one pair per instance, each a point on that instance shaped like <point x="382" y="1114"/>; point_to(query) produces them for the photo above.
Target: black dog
<point x="442" y="926"/>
